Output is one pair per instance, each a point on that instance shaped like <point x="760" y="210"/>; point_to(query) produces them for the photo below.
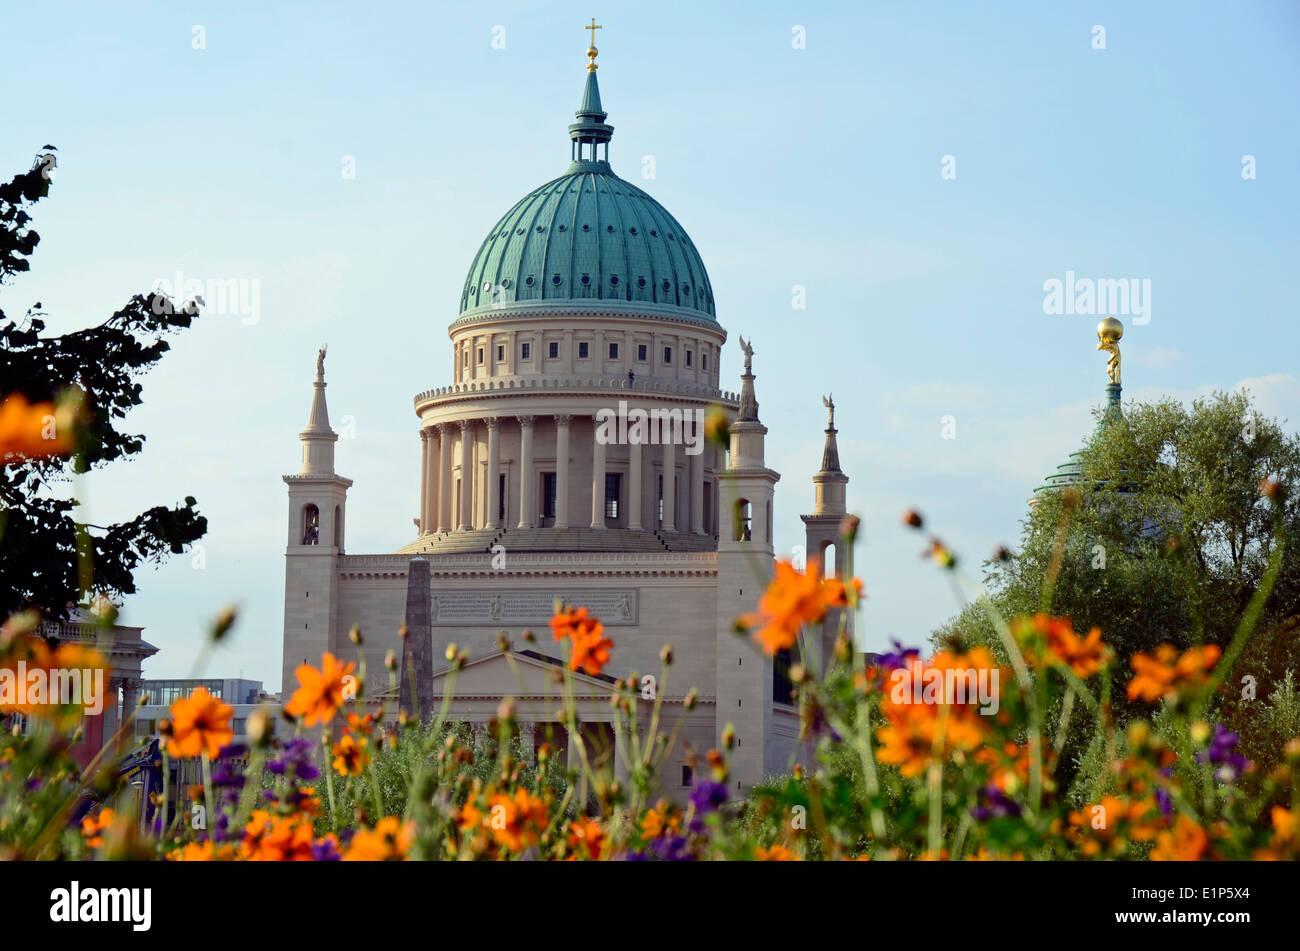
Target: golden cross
<point x="594" y="27"/>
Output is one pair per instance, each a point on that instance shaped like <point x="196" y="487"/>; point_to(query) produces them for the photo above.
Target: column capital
<point x="464" y="424"/>
<point x="492" y="422"/>
<point x="425" y="435"/>
<point x="443" y="428"/>
<point x="526" y="421"/>
<point x="564" y="419"/>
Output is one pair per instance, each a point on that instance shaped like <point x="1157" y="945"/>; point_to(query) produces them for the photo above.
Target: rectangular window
<point x="501" y="497"/>
<point x="661" y="500"/>
<point x="688" y="358"/>
<point x="641" y="353"/>
<point x="688" y="776"/>
<point x="704" y="362"/>
<point x="548" y="494"/>
<point x="611" y="494"/>
<point x="553" y="350"/>
<point x="528" y="351"/>
<point x="668" y="356"/>
<point x="501" y="354"/>
<point x="613" y="351"/>
<point x="584" y="350"/>
<point x="480" y="356"/>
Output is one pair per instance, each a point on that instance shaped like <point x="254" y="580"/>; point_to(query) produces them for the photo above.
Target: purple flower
<point x="224" y="776"/>
<point x="1222" y="752"/>
<point x="708" y="796"/>
<point x="994" y="803"/>
<point x="673" y="848"/>
<point x="298" y="756"/>
<point x="900" y="656"/>
<point x="324" y="850"/>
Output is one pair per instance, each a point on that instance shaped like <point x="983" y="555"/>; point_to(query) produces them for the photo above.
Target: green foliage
<point x="47" y="560"/>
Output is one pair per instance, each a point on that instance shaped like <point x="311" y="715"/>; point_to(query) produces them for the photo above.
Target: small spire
<point x="748" y="401"/>
<point x="318" y="438"/>
<point x="831" y="454"/>
<point x="590" y="131"/>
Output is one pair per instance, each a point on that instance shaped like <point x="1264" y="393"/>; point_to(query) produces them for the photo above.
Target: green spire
<point x="590" y="132"/>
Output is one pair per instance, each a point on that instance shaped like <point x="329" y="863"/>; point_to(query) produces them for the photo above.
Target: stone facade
<point x="536" y="483"/>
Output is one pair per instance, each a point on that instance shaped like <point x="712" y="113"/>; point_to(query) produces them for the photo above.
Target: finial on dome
<point x="591" y="50"/>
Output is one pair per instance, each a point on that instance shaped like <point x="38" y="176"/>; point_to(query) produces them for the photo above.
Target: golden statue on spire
<point x="591" y="50"/>
<point x="1109" y="332"/>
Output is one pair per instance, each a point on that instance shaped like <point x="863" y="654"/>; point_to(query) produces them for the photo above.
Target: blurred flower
<point x="296" y="758"/>
<point x="350" y="757"/>
<point x="389" y="840"/>
<point x="270" y="838"/>
<point x="777" y="853"/>
<point x="200" y="723"/>
<point x="590" y="648"/>
<point x="1167" y="672"/>
<point x="320" y="694"/>
<point x="93" y="827"/>
<point x="34" y="430"/>
<point x="1186" y="842"/>
<point x="794" y="598"/>
<point x="1222" y="753"/>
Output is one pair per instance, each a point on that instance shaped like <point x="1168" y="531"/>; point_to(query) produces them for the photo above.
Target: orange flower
<point x="388" y="841"/>
<point x="777" y="853"/>
<point x="270" y="838"/>
<point x="518" y="821"/>
<point x="200" y="723"/>
<point x="792" y="599"/>
<point x="1186" y="842"/>
<point x="586" y="837"/>
<point x="662" y="818"/>
<point x="1083" y="655"/>
<point x="93" y="827"/>
<point x="350" y="757"/>
<point x="1166" y="672"/>
<point x="201" y="852"/>
<point x="36" y="429"/>
<point x="320" y="692"/>
<point x="590" y="648"/>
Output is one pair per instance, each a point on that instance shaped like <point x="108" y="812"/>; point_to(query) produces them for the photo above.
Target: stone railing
<point x="527" y="384"/>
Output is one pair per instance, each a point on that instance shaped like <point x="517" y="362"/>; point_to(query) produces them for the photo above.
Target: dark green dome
<point x="589" y="236"/>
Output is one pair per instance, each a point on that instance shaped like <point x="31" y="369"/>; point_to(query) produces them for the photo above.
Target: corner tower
<point x="317" y="513"/>
<point x="822" y="529"/>
<point x="745" y="553"/>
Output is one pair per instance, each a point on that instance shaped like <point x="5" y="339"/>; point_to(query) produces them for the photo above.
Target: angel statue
<point x="829" y="403"/>
<point x="320" y="362"/>
<point x="748" y="350"/>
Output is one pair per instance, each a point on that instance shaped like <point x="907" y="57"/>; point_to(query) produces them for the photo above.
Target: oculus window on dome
<point x="589" y="214"/>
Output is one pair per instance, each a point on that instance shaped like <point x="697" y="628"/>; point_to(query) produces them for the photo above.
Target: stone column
<point x="634" y="487"/>
<point x="493" y="471"/>
<point x="696" y="466"/>
<point x="670" y="487"/>
<point x="597" y="482"/>
<point x="528" y="738"/>
<point x="424" y="481"/>
<point x="446" y="491"/>
<point x="466" y="474"/>
<point x="525" y="471"/>
<point x="562" y="470"/>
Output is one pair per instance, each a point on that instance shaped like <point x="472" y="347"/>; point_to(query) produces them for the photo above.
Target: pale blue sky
<point x="817" y="167"/>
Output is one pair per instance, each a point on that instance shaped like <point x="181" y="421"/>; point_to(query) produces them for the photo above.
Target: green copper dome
<point x="588" y="236"/>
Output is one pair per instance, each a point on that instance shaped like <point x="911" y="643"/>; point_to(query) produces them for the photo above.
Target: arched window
<point x="338" y="528"/>
<point x="310" y="525"/>
<point x="742" y="531"/>
<point x="828" y="559"/>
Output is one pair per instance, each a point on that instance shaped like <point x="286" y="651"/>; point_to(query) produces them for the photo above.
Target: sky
<point x="881" y="192"/>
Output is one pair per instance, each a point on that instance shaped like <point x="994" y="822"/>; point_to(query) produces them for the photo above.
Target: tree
<point x="1165" y="539"/>
<point x="47" y="560"/>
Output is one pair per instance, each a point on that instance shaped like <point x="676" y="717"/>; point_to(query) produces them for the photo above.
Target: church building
<point x="566" y="458"/>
